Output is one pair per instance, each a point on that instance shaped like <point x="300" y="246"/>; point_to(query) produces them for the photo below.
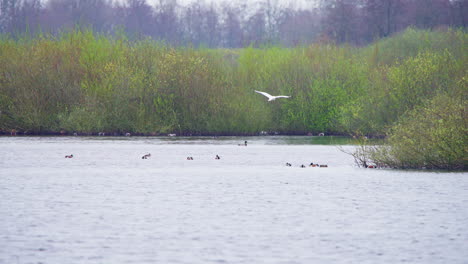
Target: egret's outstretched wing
<point x="282" y="96"/>
<point x="265" y="94"/>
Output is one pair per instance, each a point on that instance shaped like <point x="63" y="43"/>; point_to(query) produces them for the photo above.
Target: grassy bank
<point x="88" y="83"/>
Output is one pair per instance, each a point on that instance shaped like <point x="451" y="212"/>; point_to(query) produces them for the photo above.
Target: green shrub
<point x="433" y="136"/>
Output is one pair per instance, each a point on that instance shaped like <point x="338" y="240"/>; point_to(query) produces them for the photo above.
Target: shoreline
<point x="128" y="134"/>
<point x="14" y="133"/>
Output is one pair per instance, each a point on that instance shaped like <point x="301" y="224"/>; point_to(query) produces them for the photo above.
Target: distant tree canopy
<point x="259" y="23"/>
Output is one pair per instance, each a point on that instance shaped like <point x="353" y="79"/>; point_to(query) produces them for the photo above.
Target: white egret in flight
<point x="271" y="97"/>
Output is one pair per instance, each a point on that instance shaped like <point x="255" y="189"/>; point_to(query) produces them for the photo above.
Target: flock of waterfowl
<point x="310" y="165"/>
<point x="217" y="157"/>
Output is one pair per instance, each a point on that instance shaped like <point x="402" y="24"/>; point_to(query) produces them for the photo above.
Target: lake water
<point x="107" y="205"/>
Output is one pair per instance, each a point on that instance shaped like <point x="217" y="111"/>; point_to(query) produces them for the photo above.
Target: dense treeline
<point x="258" y="23"/>
<point x="88" y="83"/>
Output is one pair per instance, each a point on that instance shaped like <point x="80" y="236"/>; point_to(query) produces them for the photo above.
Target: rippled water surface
<point x="107" y="205"/>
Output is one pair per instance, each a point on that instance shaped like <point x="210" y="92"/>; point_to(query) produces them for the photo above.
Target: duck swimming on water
<point x="245" y="144"/>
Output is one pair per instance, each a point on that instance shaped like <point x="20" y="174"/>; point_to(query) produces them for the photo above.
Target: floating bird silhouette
<point x="271" y="97"/>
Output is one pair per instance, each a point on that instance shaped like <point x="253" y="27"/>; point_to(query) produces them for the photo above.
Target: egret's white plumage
<point x="271" y="97"/>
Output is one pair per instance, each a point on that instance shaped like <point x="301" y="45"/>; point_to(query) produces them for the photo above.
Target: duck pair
<point x="69" y="156"/>
<point x="245" y="144"/>
<point x="217" y="157"/>
<point x="318" y="165"/>
<point x="146" y="156"/>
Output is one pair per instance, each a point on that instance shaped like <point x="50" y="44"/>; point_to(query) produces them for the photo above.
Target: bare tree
<point x="232" y="32"/>
<point x="138" y="18"/>
<point x="429" y="13"/>
<point x="459" y="13"/>
<point x="212" y="26"/>
<point x="19" y="16"/>
<point x="201" y="25"/>
<point x="234" y="25"/>
<point x="7" y="8"/>
<point x="298" y="26"/>
<point x="382" y="17"/>
<point x="60" y="14"/>
<point x="167" y="26"/>
<point x="255" y="29"/>
<point x="272" y="16"/>
<point x="340" y="20"/>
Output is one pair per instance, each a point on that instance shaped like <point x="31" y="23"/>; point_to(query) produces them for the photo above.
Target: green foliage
<point x="82" y="120"/>
<point x="82" y="81"/>
<point x="395" y="88"/>
<point x="433" y="135"/>
<point x="411" y="42"/>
